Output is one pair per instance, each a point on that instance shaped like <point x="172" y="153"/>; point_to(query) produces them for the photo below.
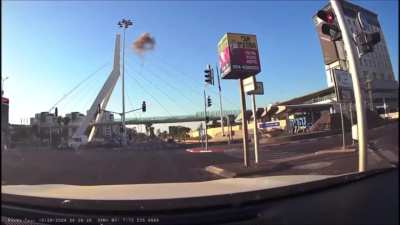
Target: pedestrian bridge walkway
<point x="173" y="119"/>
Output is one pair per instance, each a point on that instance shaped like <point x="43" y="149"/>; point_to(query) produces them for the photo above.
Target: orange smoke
<point x="143" y="43"/>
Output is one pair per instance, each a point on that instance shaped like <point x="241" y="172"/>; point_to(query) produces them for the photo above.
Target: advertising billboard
<point x="238" y="56"/>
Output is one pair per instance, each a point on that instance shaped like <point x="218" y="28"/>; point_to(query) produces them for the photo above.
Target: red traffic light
<point x="326" y="16"/>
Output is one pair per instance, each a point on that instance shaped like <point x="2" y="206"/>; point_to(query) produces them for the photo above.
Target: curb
<point x="310" y="155"/>
<point x="220" y="172"/>
<point x="279" y="163"/>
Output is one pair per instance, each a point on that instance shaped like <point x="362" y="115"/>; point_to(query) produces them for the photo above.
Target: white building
<point x="376" y="72"/>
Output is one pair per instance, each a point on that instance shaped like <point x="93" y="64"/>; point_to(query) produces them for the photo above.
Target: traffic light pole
<point x="205" y="119"/>
<point x="360" y="109"/>
<point x="220" y="103"/>
<point x="244" y="124"/>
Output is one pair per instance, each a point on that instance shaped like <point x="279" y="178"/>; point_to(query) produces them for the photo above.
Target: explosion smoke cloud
<point x="143" y="43"/>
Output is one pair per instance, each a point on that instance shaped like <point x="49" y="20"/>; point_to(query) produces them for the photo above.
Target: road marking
<point x="313" y="166"/>
<point x="201" y="150"/>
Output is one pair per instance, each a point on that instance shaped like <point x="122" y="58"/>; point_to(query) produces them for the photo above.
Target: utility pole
<point x="220" y="102"/>
<point x="123" y="24"/>
<point x="244" y="123"/>
<point x="358" y="94"/>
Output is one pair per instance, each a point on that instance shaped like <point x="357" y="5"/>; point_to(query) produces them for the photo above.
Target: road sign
<point x="249" y="84"/>
<point x="272" y="124"/>
<point x="344" y="86"/>
<point x="259" y="89"/>
<point x="238" y="56"/>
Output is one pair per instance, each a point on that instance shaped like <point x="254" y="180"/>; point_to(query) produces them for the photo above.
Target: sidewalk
<point x="327" y="162"/>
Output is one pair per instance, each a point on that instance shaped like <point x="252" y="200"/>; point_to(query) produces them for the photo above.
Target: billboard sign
<point x="344" y="86"/>
<point x="238" y="56"/>
<point x="259" y="89"/>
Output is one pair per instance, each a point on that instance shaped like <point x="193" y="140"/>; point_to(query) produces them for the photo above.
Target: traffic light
<point x="207" y="119"/>
<point x="121" y="128"/>
<point x="363" y="39"/>
<point x="209" y="103"/>
<point x="329" y="26"/>
<point x="56" y="112"/>
<point x="143" y="106"/>
<point x="209" y="76"/>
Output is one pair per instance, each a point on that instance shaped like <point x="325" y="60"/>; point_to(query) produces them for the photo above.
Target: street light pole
<point x="123" y="24"/>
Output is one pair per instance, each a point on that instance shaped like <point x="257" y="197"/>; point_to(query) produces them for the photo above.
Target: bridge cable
<point x="186" y="77"/>
<point x="172" y="87"/>
<point x="192" y="91"/>
<point x="161" y="91"/>
<point x="144" y="89"/>
<point x="83" y="93"/>
<point x="78" y="85"/>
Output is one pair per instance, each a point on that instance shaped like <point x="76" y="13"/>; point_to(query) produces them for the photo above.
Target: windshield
<point x="220" y="97"/>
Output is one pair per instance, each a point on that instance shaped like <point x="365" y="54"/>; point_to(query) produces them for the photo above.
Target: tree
<point x="179" y="132"/>
<point x="158" y="133"/>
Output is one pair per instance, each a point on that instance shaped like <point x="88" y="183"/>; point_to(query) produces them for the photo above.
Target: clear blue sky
<point x="49" y="46"/>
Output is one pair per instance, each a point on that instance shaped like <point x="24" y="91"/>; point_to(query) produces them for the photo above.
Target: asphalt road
<point x="110" y="166"/>
<point x="96" y="167"/>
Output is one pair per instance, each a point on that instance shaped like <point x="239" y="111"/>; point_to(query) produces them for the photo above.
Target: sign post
<point x="244" y="124"/>
<point x="239" y="59"/>
<point x="259" y="90"/>
<point x="343" y="89"/>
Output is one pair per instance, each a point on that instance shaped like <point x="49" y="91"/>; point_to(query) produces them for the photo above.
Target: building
<point x="376" y="72"/>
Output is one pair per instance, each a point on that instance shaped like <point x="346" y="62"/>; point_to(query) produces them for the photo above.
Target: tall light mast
<point x="124" y="24"/>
